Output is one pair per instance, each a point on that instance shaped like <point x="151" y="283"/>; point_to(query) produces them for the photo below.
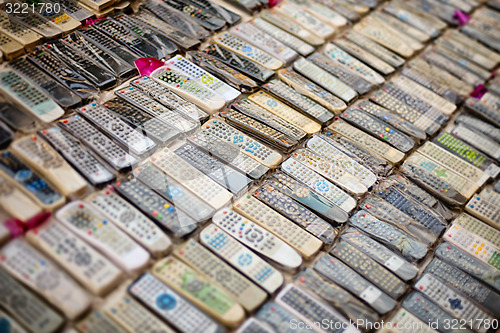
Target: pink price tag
<point x="146" y="66"/>
<point x="462" y="17"/>
<point x="479" y="91"/>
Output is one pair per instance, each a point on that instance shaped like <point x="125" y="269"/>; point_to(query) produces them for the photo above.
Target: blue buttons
<point x="166" y="302"/>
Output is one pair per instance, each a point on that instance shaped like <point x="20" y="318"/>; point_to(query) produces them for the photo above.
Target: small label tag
<point x="370" y="294"/>
<point x="394" y="263"/>
<point x="146" y="66"/>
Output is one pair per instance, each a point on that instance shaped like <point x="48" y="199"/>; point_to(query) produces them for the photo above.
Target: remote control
<point x="278" y="318"/>
<point x="370" y="269"/>
<point x="9" y="47"/>
<point x="425" y="94"/>
<point x="345" y="74"/>
<point x="131" y="315"/>
<point x="258" y="239"/>
<point x="426" y="80"/>
<point x="222" y="174"/>
<point x="207" y="296"/>
<point x="259" y="130"/>
<point x="55" y="90"/>
<point x="421" y="106"/>
<point x="479" y="125"/>
<point x="338" y="272"/>
<point x="417" y="18"/>
<point x="174" y="192"/>
<point x="131" y="221"/>
<point x="486" y="108"/>
<point x="336" y="296"/>
<point x="48" y="12"/>
<point x="392" y="119"/>
<point x="307" y="197"/>
<point x="176" y="18"/>
<point x="171" y="307"/>
<point x="437" y="59"/>
<point x="472" y="61"/>
<point x="311" y="90"/>
<point x="477" y="51"/>
<point x="382" y="35"/>
<point x="338" y="158"/>
<point x="97" y="75"/>
<point x="202" y="17"/>
<point x="237" y="139"/>
<point x="15" y="202"/>
<point x="392" y="155"/>
<point x="158" y="128"/>
<point x="191" y="178"/>
<point x="39" y="273"/>
<point x="80" y="44"/>
<point x="97" y="5"/>
<point x="98" y="322"/>
<point x="30" y="183"/>
<point x="388" y="213"/>
<point x="381" y="254"/>
<point x="459" y="166"/>
<point x="310" y="310"/>
<point x="406" y="111"/>
<point x="38" y="23"/>
<point x="252" y="325"/>
<point x="235" y="44"/>
<point x="319" y="184"/>
<point x="451" y="301"/>
<point x="479" y="228"/>
<point x="421" y="213"/>
<point x="29" y="97"/>
<point x="483" y="210"/>
<point x="248" y="67"/>
<point x="330" y="171"/>
<point x="349" y="62"/>
<point x="115" y="127"/>
<point x="222" y="12"/>
<point x="401" y="26"/>
<point x="483" y="143"/>
<point x="74" y="9"/>
<point x="306" y="20"/>
<point x="434" y="184"/>
<point x="452" y="255"/>
<point x="296" y="212"/>
<point x="161" y="211"/>
<point x="377" y="128"/>
<point x="203" y="77"/>
<point x="110" y="45"/>
<point x="293" y="27"/>
<point x="44" y="159"/>
<point x="61" y="72"/>
<point x="464" y="283"/>
<point x="156" y="110"/>
<point x="89" y="224"/>
<point x="194" y="92"/>
<point x="322" y="12"/>
<point x="371" y="60"/>
<point x="17" y="32"/>
<point x="389" y="235"/>
<point x="456" y="181"/>
<point x="489" y="194"/>
<point x="241" y="258"/>
<point x="227" y="74"/>
<point x="98" y="142"/>
<point x="467" y="153"/>
<point x="298" y="101"/>
<point x="227" y="278"/>
<point x="228" y="154"/>
<point x="260" y="114"/>
<point x="85" y="264"/>
<point x="325" y="79"/>
<point x="184" y="39"/>
<point x="157" y="40"/>
<point x="407" y="39"/>
<point x="250" y="207"/>
<point x="404" y="322"/>
<point x="163" y="95"/>
<point x="417" y="193"/>
<point x="370" y="160"/>
<point x="429" y="312"/>
<point x="26" y="308"/>
<point x="283" y="36"/>
<point x="248" y="32"/>
<point x="284" y="111"/>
